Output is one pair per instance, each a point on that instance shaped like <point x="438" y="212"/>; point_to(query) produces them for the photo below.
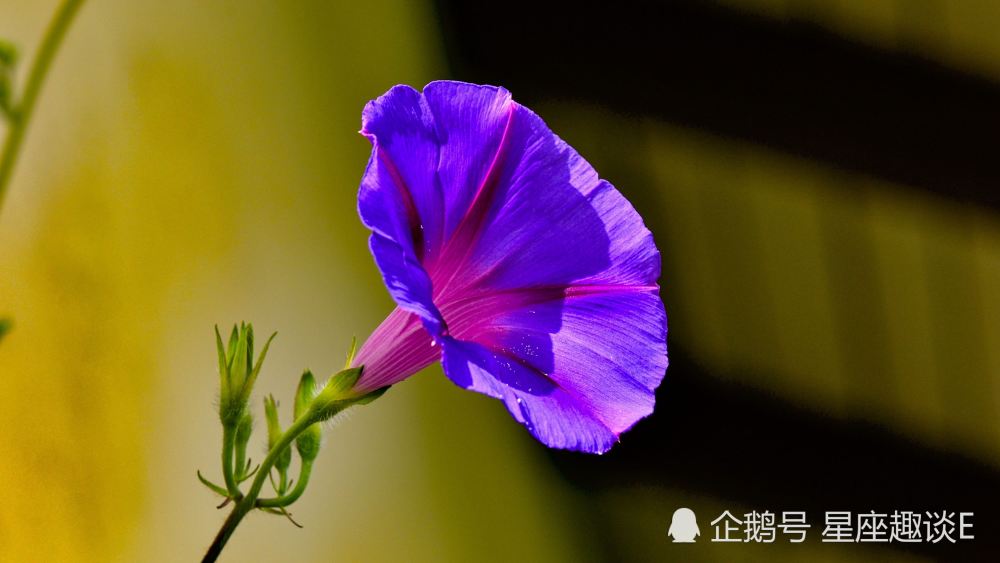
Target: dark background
<point x="863" y="116"/>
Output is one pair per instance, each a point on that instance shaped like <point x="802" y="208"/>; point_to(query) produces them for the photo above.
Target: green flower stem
<point x="228" y="444"/>
<point x="21" y="112"/>
<point x="282" y="481"/>
<point x="241" y="462"/>
<point x="300" y="487"/>
<point x="249" y="502"/>
<point x="241" y="468"/>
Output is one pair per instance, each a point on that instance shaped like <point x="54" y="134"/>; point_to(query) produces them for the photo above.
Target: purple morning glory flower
<point x="512" y="262"/>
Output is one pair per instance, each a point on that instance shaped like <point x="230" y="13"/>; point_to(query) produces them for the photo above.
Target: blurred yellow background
<point x="196" y="163"/>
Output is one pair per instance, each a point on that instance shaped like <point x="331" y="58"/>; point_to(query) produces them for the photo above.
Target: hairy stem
<point x="249" y="502"/>
<point x="20" y="114"/>
<point x="228" y="442"/>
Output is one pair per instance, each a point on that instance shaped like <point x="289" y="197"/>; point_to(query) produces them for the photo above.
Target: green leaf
<point x="212" y="486"/>
<point x="5" y="325"/>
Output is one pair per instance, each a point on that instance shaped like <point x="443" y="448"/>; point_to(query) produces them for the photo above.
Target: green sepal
<point x="234" y="337"/>
<point x="252" y="378"/>
<point x="340" y="385"/>
<point x="5" y="325"/>
<point x="223" y="368"/>
<point x="351" y="352"/>
<point x="339" y="394"/>
<point x="369" y="397"/>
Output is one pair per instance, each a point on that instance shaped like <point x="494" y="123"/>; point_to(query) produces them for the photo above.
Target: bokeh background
<point x="820" y="175"/>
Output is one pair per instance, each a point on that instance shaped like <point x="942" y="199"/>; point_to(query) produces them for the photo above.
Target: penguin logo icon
<point x="683" y="526"/>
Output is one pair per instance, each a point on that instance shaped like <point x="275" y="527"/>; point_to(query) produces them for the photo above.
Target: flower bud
<point x="273" y="424"/>
<point x="238" y="362"/>
<point x="308" y="441"/>
<point x="284" y="459"/>
<point x="244" y="429"/>
<point x="237" y="373"/>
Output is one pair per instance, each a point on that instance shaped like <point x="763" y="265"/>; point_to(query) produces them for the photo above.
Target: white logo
<point x="683" y="526"/>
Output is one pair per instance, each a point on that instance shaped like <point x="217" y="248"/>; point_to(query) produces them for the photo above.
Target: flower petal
<point x="553" y="416"/>
<point x="400" y="197"/>
<point x="591" y="354"/>
<point x="448" y="136"/>
<point x="538" y="278"/>
<point x="554" y="221"/>
<point x="406" y="281"/>
<point x="471" y="122"/>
